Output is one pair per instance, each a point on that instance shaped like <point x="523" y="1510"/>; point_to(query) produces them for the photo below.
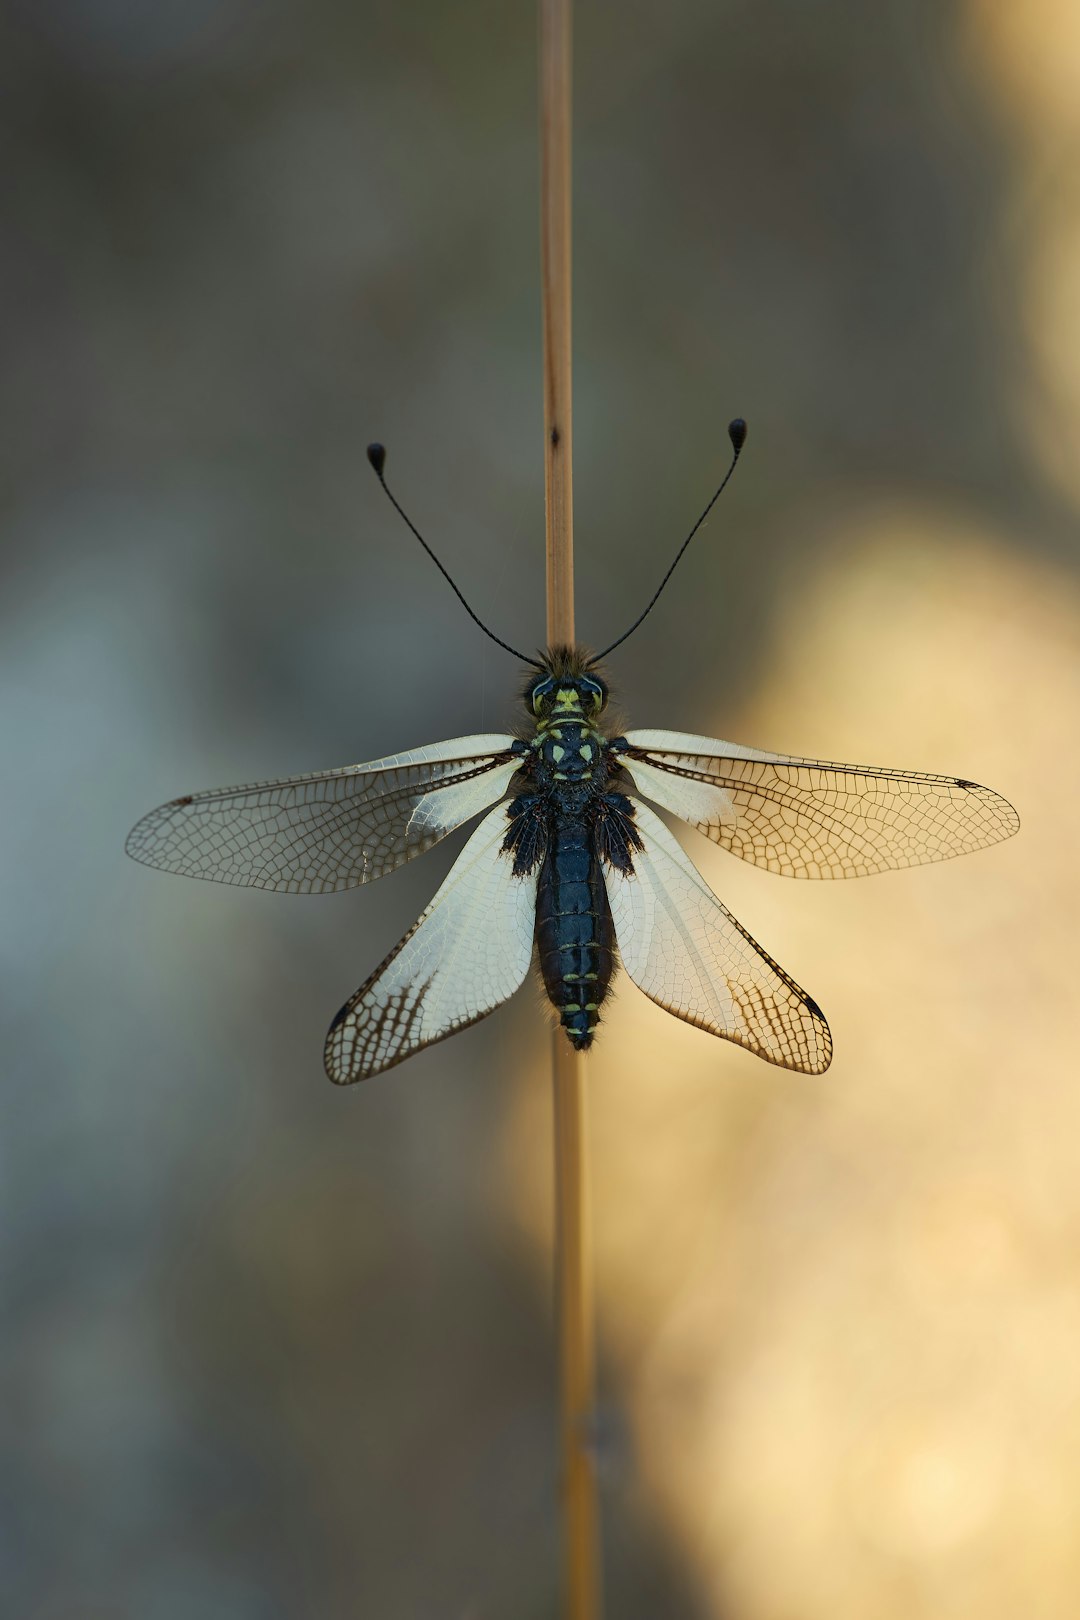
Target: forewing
<point x="468" y="952"/>
<point x="811" y="819"/>
<point x="330" y="830"/>
<point x="687" y="952"/>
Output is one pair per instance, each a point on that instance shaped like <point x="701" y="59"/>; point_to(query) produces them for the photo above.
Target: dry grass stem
<point x="573" y="1260"/>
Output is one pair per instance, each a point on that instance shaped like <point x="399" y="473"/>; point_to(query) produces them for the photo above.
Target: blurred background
<point x="273" y="1349"/>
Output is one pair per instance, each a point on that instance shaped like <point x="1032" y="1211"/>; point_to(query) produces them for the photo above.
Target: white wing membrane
<point x="330" y="830"/>
<point x="688" y="953"/>
<point x="468" y="952"/>
<point x="811" y="819"/>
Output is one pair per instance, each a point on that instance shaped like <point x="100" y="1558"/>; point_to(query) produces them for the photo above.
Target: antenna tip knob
<point x="376" y="454"/>
<point x="736" y="433"/>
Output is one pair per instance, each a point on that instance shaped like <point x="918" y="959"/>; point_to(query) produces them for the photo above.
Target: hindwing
<point x="688" y="953"/>
<point x="469" y="951"/>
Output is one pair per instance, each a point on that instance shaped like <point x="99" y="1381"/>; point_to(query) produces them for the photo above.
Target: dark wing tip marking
<point x="819" y="1018"/>
<point x="338" y="1019"/>
<point x="332" y="1054"/>
<point x="1010" y="824"/>
<point x="347" y="1058"/>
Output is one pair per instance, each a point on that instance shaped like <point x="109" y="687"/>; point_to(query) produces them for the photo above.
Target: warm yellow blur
<point x="848" y="1309"/>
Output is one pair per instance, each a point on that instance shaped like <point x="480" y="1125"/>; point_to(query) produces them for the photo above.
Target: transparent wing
<point x="330" y="830"/>
<point x="687" y="952"/>
<point x="468" y="952"/>
<point x="811" y="819"/>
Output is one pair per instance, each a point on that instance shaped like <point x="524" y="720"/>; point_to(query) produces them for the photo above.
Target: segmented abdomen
<point x="574" y="932"/>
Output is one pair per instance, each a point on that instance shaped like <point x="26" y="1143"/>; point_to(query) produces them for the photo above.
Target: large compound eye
<point x="543" y="689"/>
<point x="597" y="693"/>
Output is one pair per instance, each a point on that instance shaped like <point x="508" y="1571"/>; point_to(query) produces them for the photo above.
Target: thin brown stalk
<point x="555" y="293"/>
<point x="573" y="1259"/>
<point x="573" y="1274"/>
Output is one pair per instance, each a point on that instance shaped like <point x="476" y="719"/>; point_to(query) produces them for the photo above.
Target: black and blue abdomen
<point x="574" y="932"/>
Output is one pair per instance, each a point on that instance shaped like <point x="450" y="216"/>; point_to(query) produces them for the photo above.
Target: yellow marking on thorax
<point x="590" y="741"/>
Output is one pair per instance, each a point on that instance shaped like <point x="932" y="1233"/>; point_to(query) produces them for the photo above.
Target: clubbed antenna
<point x="376" y="454"/>
<point x="737" y="435"/>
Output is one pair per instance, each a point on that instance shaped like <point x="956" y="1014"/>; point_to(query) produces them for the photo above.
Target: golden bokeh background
<point x="274" y="1349"/>
<point x="847" y="1311"/>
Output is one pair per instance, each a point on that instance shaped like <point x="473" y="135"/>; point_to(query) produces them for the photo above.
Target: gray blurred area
<point x="272" y="1349"/>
